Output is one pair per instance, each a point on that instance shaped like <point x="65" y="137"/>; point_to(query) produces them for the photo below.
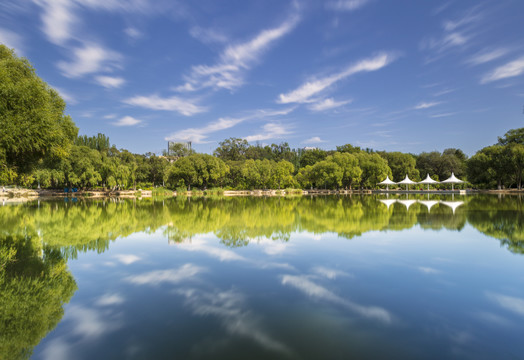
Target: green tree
<point x="232" y="149"/>
<point x="401" y="164"/>
<point x="312" y="156"/>
<point x="512" y="136"/>
<point x="31" y="116"/>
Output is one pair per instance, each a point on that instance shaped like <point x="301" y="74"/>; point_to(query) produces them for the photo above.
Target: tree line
<point x="40" y="147"/>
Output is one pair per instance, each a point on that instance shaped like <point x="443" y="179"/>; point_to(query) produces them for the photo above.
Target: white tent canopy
<point x="407" y="181"/>
<point x="428" y="181"/>
<point x="452" y="180"/>
<point x="387" y="182"/>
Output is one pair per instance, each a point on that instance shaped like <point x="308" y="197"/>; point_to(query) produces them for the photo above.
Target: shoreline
<point x="13" y="194"/>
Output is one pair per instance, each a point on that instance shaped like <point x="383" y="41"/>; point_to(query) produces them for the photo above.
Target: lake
<point x="361" y="277"/>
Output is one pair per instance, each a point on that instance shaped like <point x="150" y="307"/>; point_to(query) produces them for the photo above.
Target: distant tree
<point x="512" y="136"/>
<point x="232" y="149"/>
<point x="348" y="148"/>
<point x="312" y="156"/>
<point x="179" y="149"/>
<point x="402" y="164"/>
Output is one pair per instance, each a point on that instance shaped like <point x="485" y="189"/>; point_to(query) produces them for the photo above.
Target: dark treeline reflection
<point x="86" y="225"/>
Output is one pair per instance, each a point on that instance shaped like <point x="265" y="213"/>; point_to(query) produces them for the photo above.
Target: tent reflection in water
<point x="452" y="180"/>
<point x="407" y="181"/>
<point x="387" y="182"/>
<point x="428" y="181"/>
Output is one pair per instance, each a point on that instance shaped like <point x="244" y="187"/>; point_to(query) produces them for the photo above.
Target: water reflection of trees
<point x="90" y="225"/>
<point x="34" y="284"/>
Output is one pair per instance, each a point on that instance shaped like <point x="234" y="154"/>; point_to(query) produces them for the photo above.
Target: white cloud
<point x="89" y="323"/>
<point x="316" y="291"/>
<point x="133" y="33"/>
<point x="327" y="104"/>
<point x="304" y="93"/>
<point x="91" y="58"/>
<point x="428" y="270"/>
<point x="346" y="5"/>
<point x="511" y="69"/>
<point x="487" y="56"/>
<point x="68" y="98"/>
<point x="270" y="131"/>
<point x="58" y="19"/>
<point x="60" y="22"/>
<point x="110" y="82"/>
<point x="513" y="304"/>
<point x="456" y="33"/>
<point x="444" y="92"/>
<point x="207" y="36"/>
<point x="127" y="121"/>
<point x="199" y="135"/>
<point x="110" y="116"/>
<point x="185" y="107"/>
<point x="12" y="41"/>
<point x="172" y="276"/>
<point x="230" y="308"/>
<point x="330" y="273"/>
<point x="436" y="116"/>
<point x="127" y="259"/>
<point x="58" y="349"/>
<point x="109" y="300"/>
<point x="426" y="105"/>
<point x="313" y="140"/>
<point x="228" y="72"/>
<point x="220" y="253"/>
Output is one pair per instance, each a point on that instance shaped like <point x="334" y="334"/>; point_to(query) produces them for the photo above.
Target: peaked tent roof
<point x="453" y="179"/>
<point x="407" y="180"/>
<point x="428" y="180"/>
<point x="388" y="181"/>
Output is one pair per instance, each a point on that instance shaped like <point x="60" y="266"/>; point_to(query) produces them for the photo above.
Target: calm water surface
<point x="263" y="278"/>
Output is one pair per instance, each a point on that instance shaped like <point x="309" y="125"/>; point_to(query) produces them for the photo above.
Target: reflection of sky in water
<point x="388" y="294"/>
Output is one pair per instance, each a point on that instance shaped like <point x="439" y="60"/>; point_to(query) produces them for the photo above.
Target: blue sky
<point x="406" y="76"/>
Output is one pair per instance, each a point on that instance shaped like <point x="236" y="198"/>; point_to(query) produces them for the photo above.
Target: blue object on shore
<point x="75" y="189"/>
<point x="66" y="190"/>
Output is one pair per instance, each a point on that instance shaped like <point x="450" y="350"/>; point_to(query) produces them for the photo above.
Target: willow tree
<point x="31" y="117"/>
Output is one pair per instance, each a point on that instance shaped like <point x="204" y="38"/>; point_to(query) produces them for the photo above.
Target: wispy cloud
<point x="457" y="33"/>
<point x="133" y="33"/>
<point x="346" y="5"/>
<point x="316" y="291"/>
<point x="199" y="135"/>
<point x="443" y="115"/>
<point x="70" y="99"/>
<point x="270" y="131"/>
<point x="328" y="104"/>
<point x="330" y="273"/>
<point x="306" y="91"/>
<point x="313" y="140"/>
<point x="444" y="92"/>
<point x="109" y="81"/>
<point x="208" y="36"/>
<point x="428" y="270"/>
<point x="110" y="300"/>
<point x="127" y="259"/>
<point x="426" y="105"/>
<point x="231" y="309"/>
<point x="58" y="20"/>
<point x="485" y="56"/>
<point x="511" y="69"/>
<point x="12" y="40"/>
<point x="127" y="121"/>
<point x="513" y="304"/>
<point x="88" y="59"/>
<point x="187" y="107"/>
<point x="228" y="72"/>
<point x="171" y="276"/>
